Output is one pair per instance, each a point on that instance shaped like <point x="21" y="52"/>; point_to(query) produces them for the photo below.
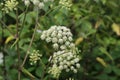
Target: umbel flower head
<point x="60" y="36"/>
<point x="66" y="4"/>
<point x="34" y="57"/>
<point x="66" y="60"/>
<point x="39" y="3"/>
<point x="9" y="5"/>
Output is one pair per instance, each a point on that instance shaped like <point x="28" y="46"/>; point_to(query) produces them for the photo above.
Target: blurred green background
<point x="95" y="25"/>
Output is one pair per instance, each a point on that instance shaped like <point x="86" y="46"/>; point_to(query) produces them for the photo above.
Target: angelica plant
<point x="65" y="56"/>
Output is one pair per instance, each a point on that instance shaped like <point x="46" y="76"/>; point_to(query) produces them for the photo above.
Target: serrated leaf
<point x="39" y="71"/>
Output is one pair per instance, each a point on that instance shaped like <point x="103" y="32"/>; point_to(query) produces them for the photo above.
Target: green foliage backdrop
<point x="95" y="25"/>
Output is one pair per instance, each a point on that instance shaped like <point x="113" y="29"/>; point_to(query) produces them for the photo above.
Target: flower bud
<point x="54" y="40"/>
<point x="60" y="41"/>
<point x="41" y="5"/>
<point x="55" y="46"/>
<point x="36" y="2"/>
<point x="48" y="39"/>
<point x="27" y="2"/>
<point x="74" y="70"/>
<point x="78" y="65"/>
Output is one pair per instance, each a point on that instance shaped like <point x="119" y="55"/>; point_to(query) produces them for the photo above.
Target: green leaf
<point x="0" y="14"/>
<point x="102" y="77"/>
<point x="103" y="50"/>
<point x="25" y="71"/>
<point x="104" y="1"/>
<point x="25" y="79"/>
<point x="116" y="70"/>
<point x="39" y="71"/>
<point x="108" y="69"/>
<point x="1" y="78"/>
<point x="87" y="1"/>
<point x="86" y="26"/>
<point x="12" y="14"/>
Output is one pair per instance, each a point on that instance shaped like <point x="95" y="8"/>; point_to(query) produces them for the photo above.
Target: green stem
<point x="23" y="20"/>
<point x="17" y="45"/>
<point x="43" y="74"/>
<point x="25" y="71"/>
<point x="21" y="28"/>
<point x="5" y="26"/>
<point x="51" y="10"/>
<point x="31" y="41"/>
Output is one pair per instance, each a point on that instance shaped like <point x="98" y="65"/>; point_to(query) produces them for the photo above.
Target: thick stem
<point x="28" y="73"/>
<point x="17" y="45"/>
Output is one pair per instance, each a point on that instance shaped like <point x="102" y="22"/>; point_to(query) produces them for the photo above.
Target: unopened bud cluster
<point x="9" y="5"/>
<point x="34" y="57"/>
<point x="66" y="55"/>
<point x="38" y="3"/>
<point x="66" y="3"/>
<point x="55" y="71"/>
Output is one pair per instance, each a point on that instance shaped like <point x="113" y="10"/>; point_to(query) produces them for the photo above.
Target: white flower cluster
<point x="66" y="56"/>
<point x="1" y="57"/>
<point x="38" y="3"/>
<point x="60" y="36"/>
<point x="66" y="4"/>
<point x="34" y="57"/>
<point x="9" y="5"/>
<point x="66" y="60"/>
